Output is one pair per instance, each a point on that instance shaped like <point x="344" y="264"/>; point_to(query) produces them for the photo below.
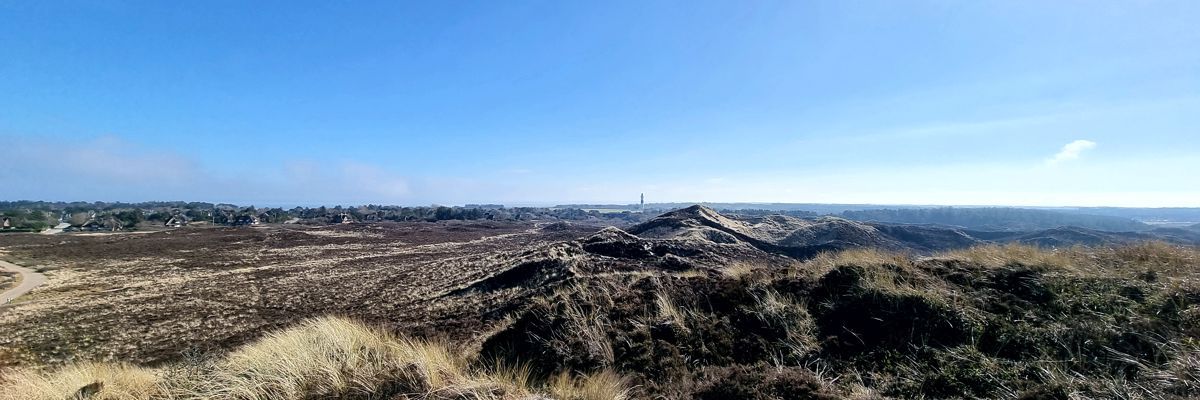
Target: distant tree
<point x="128" y="218"/>
<point x="159" y="216"/>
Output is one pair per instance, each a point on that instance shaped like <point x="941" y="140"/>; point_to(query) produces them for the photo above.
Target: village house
<point x="110" y="224"/>
<point x="243" y="220"/>
<point x="343" y="218"/>
<point x="176" y="221"/>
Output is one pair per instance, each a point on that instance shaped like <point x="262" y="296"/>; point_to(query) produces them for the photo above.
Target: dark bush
<point x="856" y="316"/>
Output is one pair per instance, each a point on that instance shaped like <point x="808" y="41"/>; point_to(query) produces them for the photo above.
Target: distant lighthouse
<point x="642" y="208"/>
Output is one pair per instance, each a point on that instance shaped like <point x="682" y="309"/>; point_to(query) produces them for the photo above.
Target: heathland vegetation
<point x="990" y="321"/>
<point x="691" y="304"/>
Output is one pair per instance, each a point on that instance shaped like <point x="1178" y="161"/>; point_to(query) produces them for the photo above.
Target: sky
<point x="1062" y="103"/>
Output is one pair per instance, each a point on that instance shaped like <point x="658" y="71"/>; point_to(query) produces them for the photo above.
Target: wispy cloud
<point x="112" y="168"/>
<point x="1071" y="151"/>
<point x="104" y="160"/>
<point x="342" y="182"/>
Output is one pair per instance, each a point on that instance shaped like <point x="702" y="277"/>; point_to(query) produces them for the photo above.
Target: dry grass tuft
<point x="326" y="356"/>
<point x="604" y="385"/>
<point x="1157" y="256"/>
<point x="739" y="270"/>
<point x="691" y="274"/>
<point x="587" y="325"/>
<point x="782" y="311"/>
<point x="863" y="256"/>
<point x="1183" y="371"/>
<point x="336" y="357"/>
<point x="773" y="306"/>
<point x="995" y="256"/>
<point x="668" y="311"/>
<point x="98" y="381"/>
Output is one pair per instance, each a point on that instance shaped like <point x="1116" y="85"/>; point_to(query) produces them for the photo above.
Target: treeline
<point x="754" y="212"/>
<point x="444" y="213"/>
<point x="997" y="218"/>
<point x="39" y="215"/>
<point x="24" y="220"/>
<point x="83" y="206"/>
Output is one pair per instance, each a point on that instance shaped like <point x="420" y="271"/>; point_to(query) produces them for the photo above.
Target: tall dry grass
<point x="322" y="358"/>
<point x="604" y="385"/>
<point x="668" y="311"/>
<point x="791" y="315"/>
<point x="1155" y="257"/>
<point x="99" y="381"/>
<point x="1160" y="257"/>
<point x="740" y="270"/>
<point x="336" y="356"/>
<point x="1000" y="255"/>
<point x="581" y="304"/>
<point x="861" y="256"/>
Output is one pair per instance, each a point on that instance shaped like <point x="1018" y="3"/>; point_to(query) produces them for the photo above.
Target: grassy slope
<point x="993" y="322"/>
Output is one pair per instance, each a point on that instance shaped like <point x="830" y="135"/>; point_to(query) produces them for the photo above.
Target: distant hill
<point x="998" y="219"/>
<point x="1177" y="235"/>
<point x="1159" y="214"/>
<point x="796" y="236"/>
<point x="803" y="237"/>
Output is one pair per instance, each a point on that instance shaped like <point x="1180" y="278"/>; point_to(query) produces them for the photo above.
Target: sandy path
<point x="29" y="279"/>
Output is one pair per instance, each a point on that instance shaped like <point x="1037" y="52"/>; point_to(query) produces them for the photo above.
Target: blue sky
<point x="917" y="102"/>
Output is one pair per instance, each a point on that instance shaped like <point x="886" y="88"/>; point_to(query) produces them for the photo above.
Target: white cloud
<point x="1071" y="151"/>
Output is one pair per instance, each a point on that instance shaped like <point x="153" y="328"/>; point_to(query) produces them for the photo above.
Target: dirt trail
<point x="29" y="279"/>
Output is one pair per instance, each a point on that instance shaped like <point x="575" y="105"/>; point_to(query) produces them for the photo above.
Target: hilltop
<point x="808" y="236"/>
